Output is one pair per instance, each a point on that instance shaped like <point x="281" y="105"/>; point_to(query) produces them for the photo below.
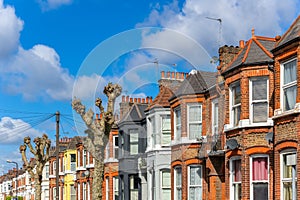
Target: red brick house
<point x="286" y="116"/>
<point x="190" y="107"/>
<point x="249" y="86"/>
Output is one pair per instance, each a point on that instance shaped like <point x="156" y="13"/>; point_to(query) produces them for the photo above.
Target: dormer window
<point x="235" y="103"/>
<point x="195" y="121"/>
<point x="289" y="84"/>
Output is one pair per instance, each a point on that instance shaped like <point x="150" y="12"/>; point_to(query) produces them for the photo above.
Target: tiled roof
<point x="292" y="33"/>
<point x="74" y="141"/>
<point x="256" y="51"/>
<point x="196" y="83"/>
<point x="136" y="113"/>
<point x="161" y="100"/>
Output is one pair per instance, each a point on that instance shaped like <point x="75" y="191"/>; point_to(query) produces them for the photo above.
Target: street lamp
<point x="9" y="161"/>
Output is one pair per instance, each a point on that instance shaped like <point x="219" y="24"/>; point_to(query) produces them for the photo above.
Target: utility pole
<point x="57" y="114"/>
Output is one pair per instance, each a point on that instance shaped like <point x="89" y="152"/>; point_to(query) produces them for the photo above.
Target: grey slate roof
<point x="196" y="83"/>
<point x="256" y="51"/>
<point x="292" y="33"/>
<point x="136" y="113"/>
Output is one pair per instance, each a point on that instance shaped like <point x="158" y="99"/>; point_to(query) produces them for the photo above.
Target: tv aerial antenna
<point x="215" y="59"/>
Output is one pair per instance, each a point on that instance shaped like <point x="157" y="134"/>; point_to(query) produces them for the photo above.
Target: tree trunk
<point x="98" y="179"/>
<point x="38" y="188"/>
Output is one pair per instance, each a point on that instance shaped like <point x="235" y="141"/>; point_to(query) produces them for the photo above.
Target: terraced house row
<point x="230" y="134"/>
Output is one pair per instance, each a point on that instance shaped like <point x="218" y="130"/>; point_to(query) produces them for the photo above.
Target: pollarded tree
<point x="35" y="166"/>
<point x="98" y="132"/>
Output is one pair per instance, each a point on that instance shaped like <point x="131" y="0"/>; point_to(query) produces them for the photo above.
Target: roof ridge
<point x="247" y="51"/>
<point x="265" y="38"/>
<point x="263" y="48"/>
<point x="138" y="110"/>
<point x="290" y="28"/>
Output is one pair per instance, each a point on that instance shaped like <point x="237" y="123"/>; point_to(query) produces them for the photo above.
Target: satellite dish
<point x="232" y="144"/>
<point x="269" y="137"/>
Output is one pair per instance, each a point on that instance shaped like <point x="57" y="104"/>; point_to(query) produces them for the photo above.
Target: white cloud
<point x="238" y="18"/>
<point x="34" y="73"/>
<point x="53" y="4"/>
<point x="13" y="131"/>
<point x="10" y="27"/>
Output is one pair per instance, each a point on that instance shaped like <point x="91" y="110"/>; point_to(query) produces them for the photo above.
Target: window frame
<point x="177" y="126"/>
<point x="189" y="179"/>
<point x="162" y="171"/>
<point x="231" y="176"/>
<point x="282" y="179"/>
<point x="251" y="101"/>
<point x="115" y="189"/>
<point x="115" y="147"/>
<point x="196" y="122"/>
<point x="231" y="106"/>
<point x="131" y="132"/>
<point x="214" y="122"/>
<point x="107" y="188"/>
<point x="251" y="174"/>
<point x="166" y="131"/>
<point x="288" y="85"/>
<point x="177" y="187"/>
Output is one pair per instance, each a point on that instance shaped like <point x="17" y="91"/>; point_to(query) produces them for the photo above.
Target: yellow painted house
<point x="69" y="165"/>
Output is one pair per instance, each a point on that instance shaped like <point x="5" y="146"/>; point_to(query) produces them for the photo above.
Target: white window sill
<point x="245" y="123"/>
<point x="280" y="113"/>
<point x="80" y="168"/>
<point x="186" y="140"/>
<point x="109" y="160"/>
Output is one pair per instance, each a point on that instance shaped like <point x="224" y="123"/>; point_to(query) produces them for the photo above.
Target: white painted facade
<point x="158" y="153"/>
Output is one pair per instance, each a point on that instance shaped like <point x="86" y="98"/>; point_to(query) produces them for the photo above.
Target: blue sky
<point x="48" y="46"/>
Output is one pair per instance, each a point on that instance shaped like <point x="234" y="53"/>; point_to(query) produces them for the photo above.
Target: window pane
<point x="195" y="131"/>
<point x="236" y="164"/>
<point x="236" y="115"/>
<point x="260" y="112"/>
<point x="178" y="114"/>
<point x="236" y="94"/>
<point x="195" y="175"/>
<point x="134" y="148"/>
<point x="287" y="191"/>
<point x="166" y="179"/>
<point x="260" y="191"/>
<point x="237" y="191"/>
<point x="289" y="97"/>
<point x="166" y="137"/>
<point x="166" y="194"/>
<point x="134" y="137"/>
<point x="260" y="168"/>
<point x="166" y="123"/>
<point x="290" y="73"/>
<point x="195" y="193"/>
<point x="259" y="89"/>
<point x="195" y="113"/>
